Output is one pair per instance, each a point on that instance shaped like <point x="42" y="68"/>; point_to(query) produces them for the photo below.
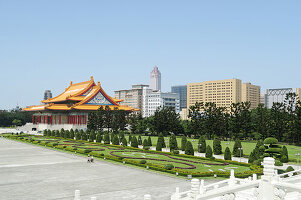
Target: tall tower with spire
<point x="155" y="79"/>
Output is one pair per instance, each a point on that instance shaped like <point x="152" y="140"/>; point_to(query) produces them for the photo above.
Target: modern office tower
<point x="152" y="100"/>
<point x="278" y="95"/>
<point x="182" y="91"/>
<point x="155" y="79"/>
<point x="250" y="93"/>
<point x="222" y="92"/>
<point x="133" y="97"/>
<point x="262" y="98"/>
<point x="47" y="94"/>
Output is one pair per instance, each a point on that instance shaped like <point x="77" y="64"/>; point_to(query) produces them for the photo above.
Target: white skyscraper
<point x="155" y="79"/>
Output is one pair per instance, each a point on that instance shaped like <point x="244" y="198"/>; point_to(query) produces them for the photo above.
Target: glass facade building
<point x="182" y="91"/>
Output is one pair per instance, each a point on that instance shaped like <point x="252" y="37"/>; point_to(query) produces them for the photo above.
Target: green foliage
<point x="124" y="142"/>
<point x="48" y="132"/>
<point x="62" y="133"/>
<point x="161" y="140"/>
<point x="57" y="133"/>
<point x="270" y="140"/>
<point x="202" y="145"/>
<point x="189" y="148"/>
<point x="159" y="146"/>
<point x="84" y="137"/>
<point x="183" y="143"/>
<point x="173" y="143"/>
<point x="45" y="132"/>
<point x="134" y="142"/>
<point x="15" y="117"/>
<point x="278" y="163"/>
<point x="115" y="140"/>
<point x="169" y="166"/>
<point x="149" y="140"/>
<point x="92" y="136"/>
<point x="227" y="155"/>
<point x="130" y="137"/>
<point x="99" y="137"/>
<point x="284" y="155"/>
<point x="67" y="134"/>
<point x="217" y="147"/>
<point x="236" y="151"/>
<point x="166" y="121"/>
<point x="208" y="152"/>
<point x="106" y="138"/>
<point x="139" y="140"/>
<point x="145" y="143"/>
<point x="142" y="161"/>
<point x="72" y="134"/>
<point x="175" y="152"/>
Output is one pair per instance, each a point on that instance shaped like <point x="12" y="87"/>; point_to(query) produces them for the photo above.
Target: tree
<point x="124" y="142"/>
<point x="208" y="152"/>
<point x="161" y="140"/>
<point x="284" y="155"/>
<point x="189" y="149"/>
<point x="92" y="136"/>
<point x="227" y="155"/>
<point x="139" y="140"/>
<point x="57" y="133"/>
<point x="217" y="147"/>
<point x="278" y="121"/>
<point x="134" y="142"/>
<point x="145" y="143"/>
<point x="99" y="137"/>
<point x="115" y="140"/>
<point x="72" y="134"/>
<point x="159" y="146"/>
<point x="196" y="125"/>
<point x="260" y="120"/>
<point x="17" y="122"/>
<point x="106" y="138"/>
<point x="183" y="143"/>
<point x="237" y="149"/>
<point x="150" y="141"/>
<point x="45" y="132"/>
<point x="202" y="145"/>
<point x="67" y="134"/>
<point x="62" y="133"/>
<point x="84" y="136"/>
<point x="173" y="143"/>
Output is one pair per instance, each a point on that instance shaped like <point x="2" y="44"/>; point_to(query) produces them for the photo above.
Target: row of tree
<point x="14" y="118"/>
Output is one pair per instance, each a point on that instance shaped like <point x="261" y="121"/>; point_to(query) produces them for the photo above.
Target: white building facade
<point x="155" y="79"/>
<point x="278" y="95"/>
<point x="152" y="100"/>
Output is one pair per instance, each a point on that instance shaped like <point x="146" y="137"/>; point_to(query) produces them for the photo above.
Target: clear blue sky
<point x="46" y="44"/>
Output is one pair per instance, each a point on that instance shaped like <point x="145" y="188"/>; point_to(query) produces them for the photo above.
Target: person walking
<point x="92" y="159"/>
<point x="88" y="161"/>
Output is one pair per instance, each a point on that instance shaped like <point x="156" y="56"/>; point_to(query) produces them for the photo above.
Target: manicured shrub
<point x="227" y="155"/>
<point x="67" y="134"/>
<point x="115" y="140"/>
<point x="92" y="136"/>
<point x="145" y="143"/>
<point x="257" y="162"/>
<point x="139" y="140"/>
<point x="175" y="152"/>
<point x="112" y="137"/>
<point x="159" y="146"/>
<point x="57" y="133"/>
<point x="270" y="140"/>
<point x="208" y="152"/>
<point x="189" y="148"/>
<point x="134" y="142"/>
<point x="202" y="145"/>
<point x="84" y="136"/>
<point x="98" y="138"/>
<point x="62" y="133"/>
<point x="124" y="142"/>
<point x="278" y="163"/>
<point x="48" y="132"/>
<point x="284" y="155"/>
<point x="173" y="143"/>
<point x="142" y="161"/>
<point x="169" y="166"/>
<point x="72" y="134"/>
<point x="106" y="138"/>
<point x="183" y="143"/>
<point x="236" y="151"/>
<point x="45" y="132"/>
<point x="121" y="136"/>
<point x="53" y="133"/>
<point x="161" y="140"/>
<point x="149" y="141"/>
<point x="217" y="147"/>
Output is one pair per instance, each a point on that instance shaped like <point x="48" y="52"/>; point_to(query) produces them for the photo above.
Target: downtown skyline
<point x="119" y="44"/>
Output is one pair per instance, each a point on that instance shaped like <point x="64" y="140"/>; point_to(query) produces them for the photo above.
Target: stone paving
<point x="33" y="172"/>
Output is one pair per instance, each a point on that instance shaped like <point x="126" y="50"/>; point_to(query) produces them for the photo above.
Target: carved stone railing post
<point x="202" y="187"/>
<point x="147" y="197"/>
<point x="231" y="180"/>
<point x="77" y="195"/>
<point x="266" y="189"/>
<point x="195" y="186"/>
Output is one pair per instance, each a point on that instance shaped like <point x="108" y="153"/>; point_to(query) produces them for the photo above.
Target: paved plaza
<point x="31" y="172"/>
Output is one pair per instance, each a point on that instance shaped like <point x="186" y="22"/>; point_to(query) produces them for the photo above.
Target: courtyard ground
<point x="33" y="172"/>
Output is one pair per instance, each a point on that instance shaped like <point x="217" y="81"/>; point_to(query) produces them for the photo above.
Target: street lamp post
<point x="240" y="149"/>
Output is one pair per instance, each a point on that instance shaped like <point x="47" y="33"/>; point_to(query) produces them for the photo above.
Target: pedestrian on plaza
<point x="92" y="159"/>
<point x="88" y="159"/>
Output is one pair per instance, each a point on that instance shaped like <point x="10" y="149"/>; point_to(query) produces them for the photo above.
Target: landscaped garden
<point x="173" y="163"/>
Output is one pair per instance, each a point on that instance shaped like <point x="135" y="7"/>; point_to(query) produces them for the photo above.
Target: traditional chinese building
<point x="70" y="109"/>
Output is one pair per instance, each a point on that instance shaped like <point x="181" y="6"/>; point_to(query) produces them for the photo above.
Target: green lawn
<point x="247" y="146"/>
<point x="191" y="164"/>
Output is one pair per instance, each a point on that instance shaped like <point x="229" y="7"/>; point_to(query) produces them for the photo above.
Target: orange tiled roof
<point x="86" y="96"/>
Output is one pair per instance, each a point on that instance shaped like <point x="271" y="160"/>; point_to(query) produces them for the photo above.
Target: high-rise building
<point x="250" y="93"/>
<point x="152" y="100"/>
<point x="182" y="91"/>
<point x="47" y="94"/>
<point x="279" y="95"/>
<point x="155" y="79"/>
<point x="133" y="97"/>
<point x="222" y="92"/>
